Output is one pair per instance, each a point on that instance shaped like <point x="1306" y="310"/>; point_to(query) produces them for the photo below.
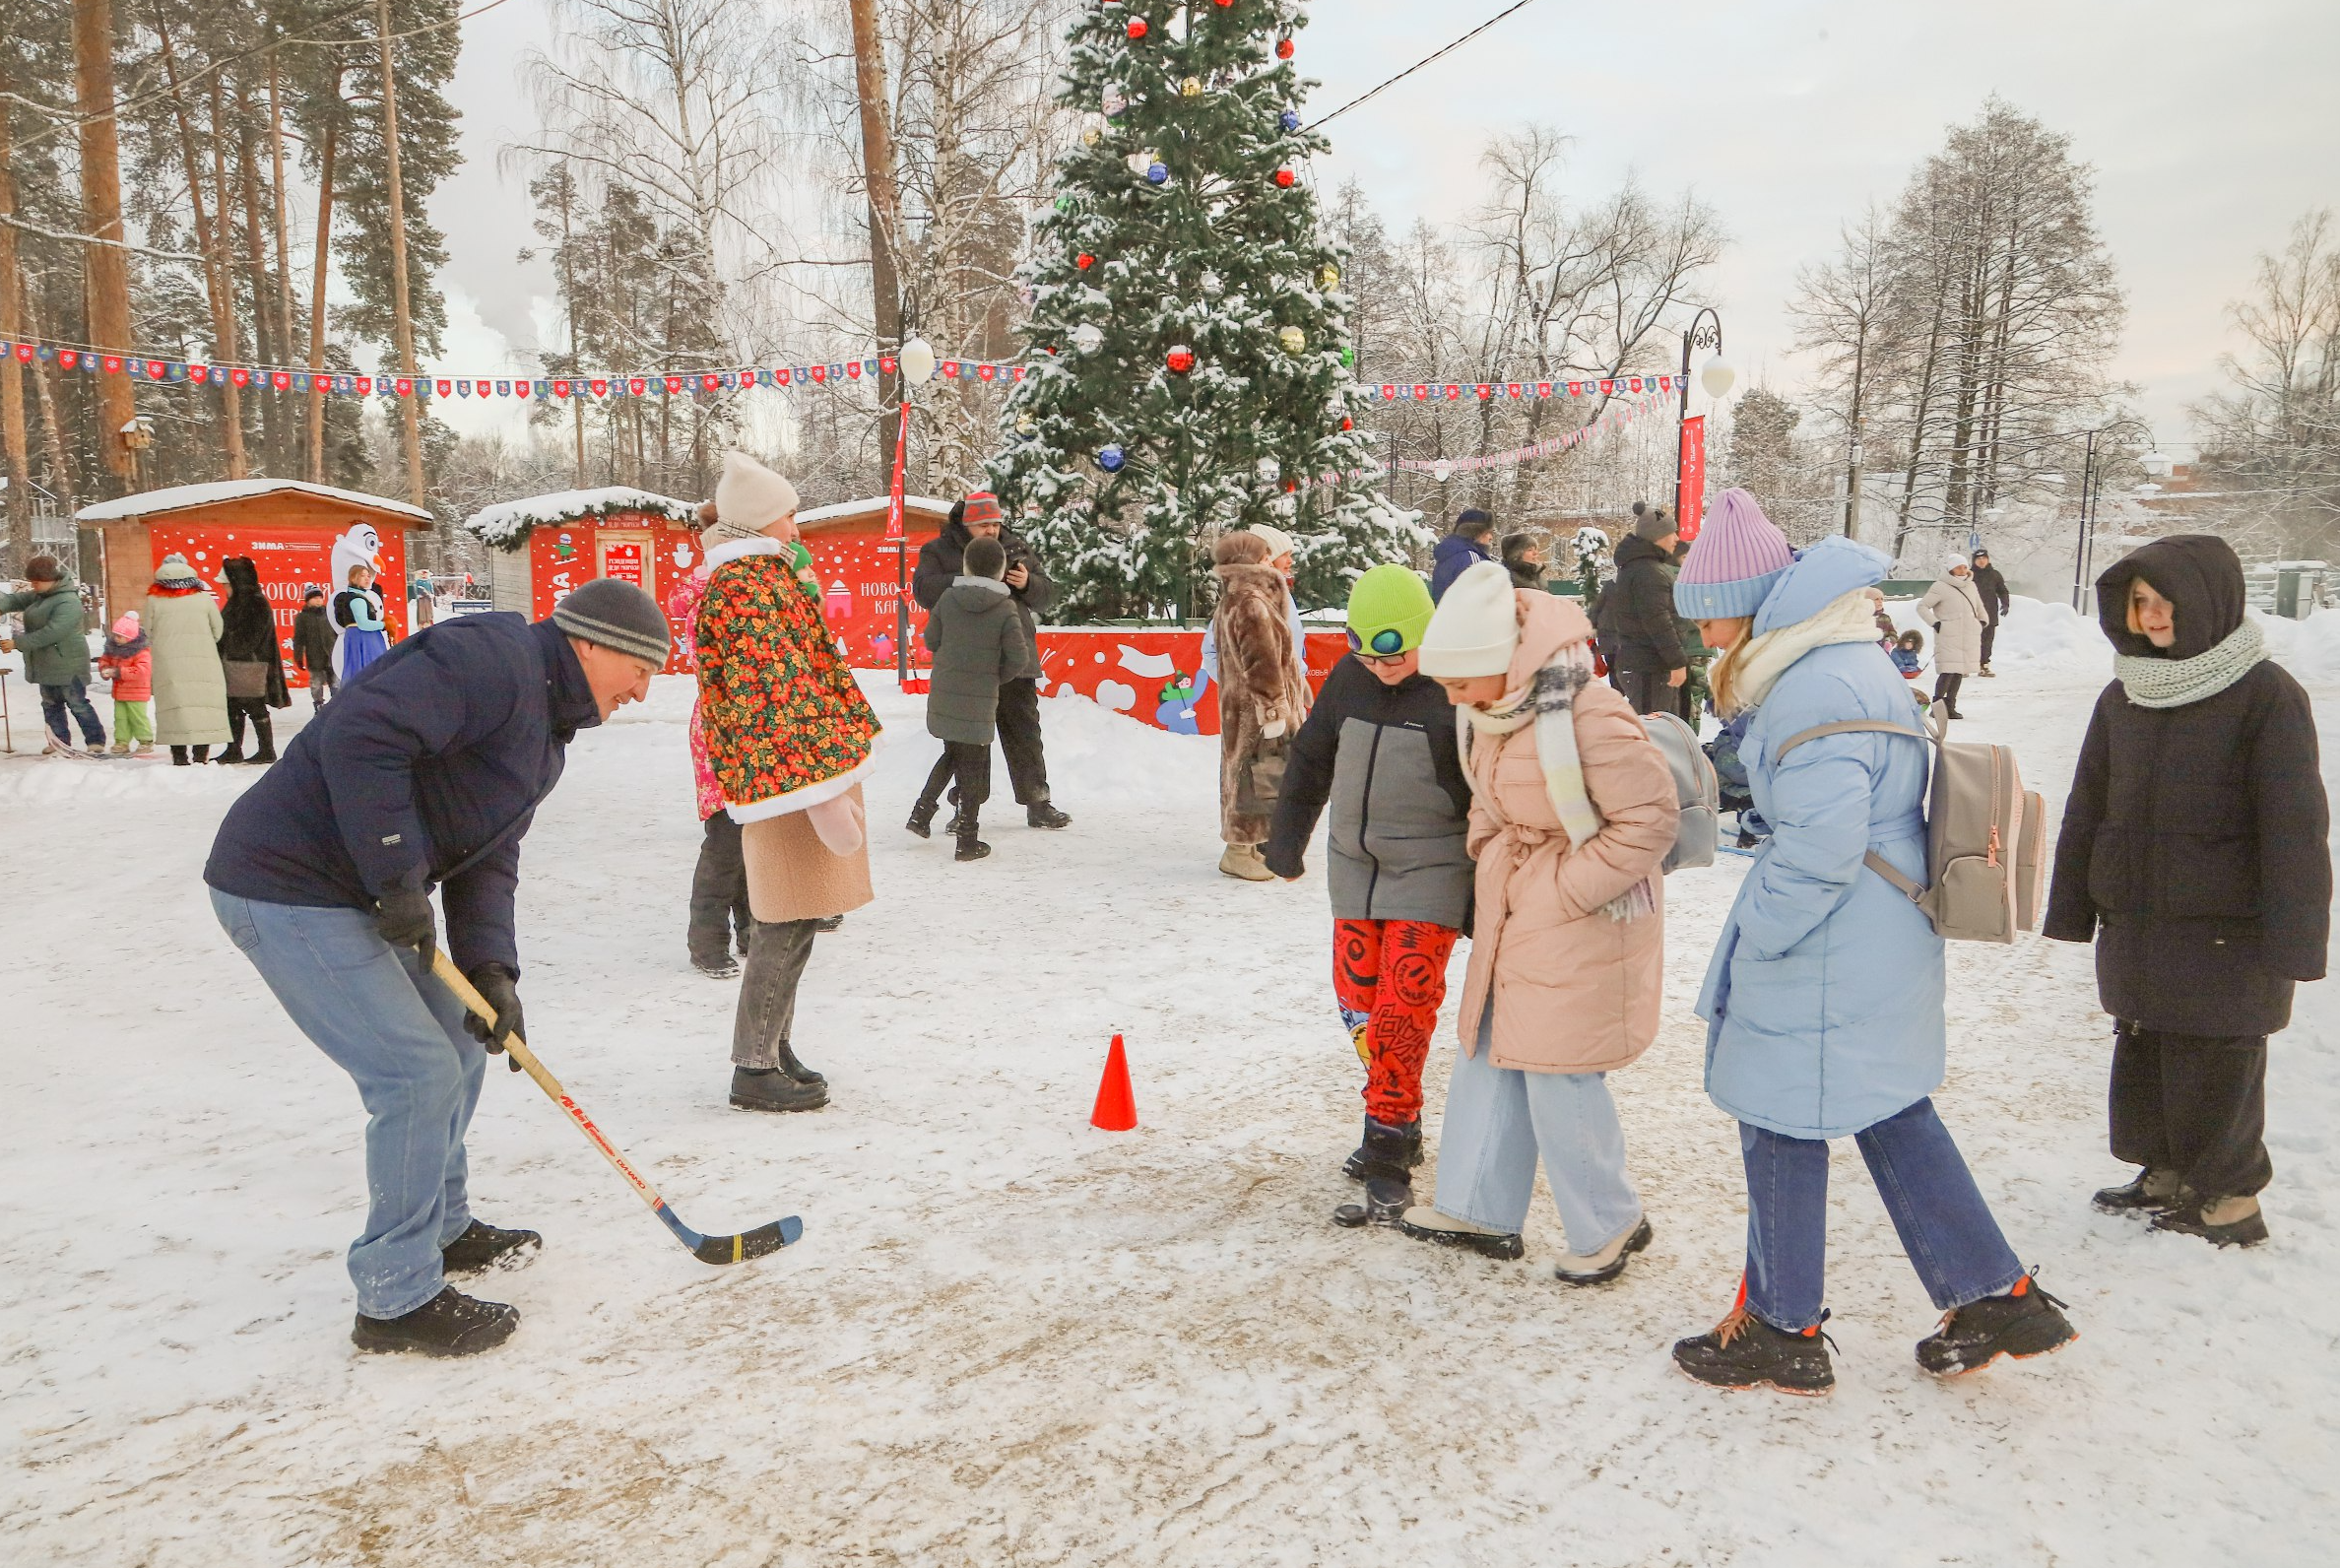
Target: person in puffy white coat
<point x="1952" y="607"/>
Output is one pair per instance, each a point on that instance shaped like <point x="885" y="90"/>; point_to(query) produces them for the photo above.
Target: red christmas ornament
<point x="1283" y="48"/>
<point x="1181" y="359"/>
<point x="1138" y="26"/>
<point x="1284" y="177"/>
<point x="1223" y="4"/>
<point x="1085" y="261"/>
<point x="1347" y="424"/>
<point x="1291" y="485"/>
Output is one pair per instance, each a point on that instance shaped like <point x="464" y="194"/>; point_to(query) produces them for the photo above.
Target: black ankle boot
<point x="792" y="1068"/>
<point x="483" y="1247"/>
<point x="1390" y="1149"/>
<point x="769" y="1089"/>
<point x="970" y="847"/>
<point x="922" y="819"/>
<point x="448" y="1323"/>
<point x="1042" y="814"/>
<point x="264" y="733"/>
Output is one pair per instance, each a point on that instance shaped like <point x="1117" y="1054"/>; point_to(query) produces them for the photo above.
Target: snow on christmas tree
<point x="1193" y="371"/>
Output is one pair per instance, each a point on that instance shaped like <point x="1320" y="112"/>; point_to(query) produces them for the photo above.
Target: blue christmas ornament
<point x="1156" y="174"/>
<point x="1111" y="459"/>
<point x="1291" y="120"/>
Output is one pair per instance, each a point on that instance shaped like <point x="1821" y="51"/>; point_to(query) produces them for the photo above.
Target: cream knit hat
<point x="1476" y="625"/>
<point x="750" y="496"/>
<point x="1279" y="543"/>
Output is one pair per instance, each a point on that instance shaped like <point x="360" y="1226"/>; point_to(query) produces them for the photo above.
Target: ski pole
<point x="757" y="1243"/>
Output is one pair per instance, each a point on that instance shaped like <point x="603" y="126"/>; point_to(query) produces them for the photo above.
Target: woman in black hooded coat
<point x="2195" y="853"/>
<point x="255" y="663"/>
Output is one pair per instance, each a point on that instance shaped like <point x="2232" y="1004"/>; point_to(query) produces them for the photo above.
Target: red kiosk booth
<point x="299" y="534"/>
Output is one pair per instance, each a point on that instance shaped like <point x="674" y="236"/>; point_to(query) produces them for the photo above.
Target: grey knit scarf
<point x="2174" y="682"/>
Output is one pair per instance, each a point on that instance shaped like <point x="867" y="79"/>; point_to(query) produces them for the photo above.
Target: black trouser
<point x="1020" y="741"/>
<point x="2195" y="1104"/>
<point x="1648" y="690"/>
<point x="719" y="894"/>
<point x="1946" y="690"/>
<point x="766" y="1014"/>
<point x="969" y="767"/>
<point x="263" y="730"/>
<point x="1990" y="630"/>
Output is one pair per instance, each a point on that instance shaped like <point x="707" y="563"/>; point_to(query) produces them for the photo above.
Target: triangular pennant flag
<point x="781" y="376"/>
<point x="835" y="370"/>
<point x="199" y="373"/>
<point x="404" y="387"/>
<point x="821" y="372"/>
<point x="366" y="386"/>
<point x="1512" y="390"/>
<point x="1637" y="380"/>
<point x="599" y="386"/>
<point x="637" y="386"/>
<point x="985" y="372"/>
<point x="1454" y="391"/>
<point x="710" y="381"/>
<point x="445" y="388"/>
<point x="950" y="368"/>
<point x="853" y="370"/>
<point x="503" y="389"/>
<point x="560" y="387"/>
<point x="113" y="364"/>
<point x="1485" y="391"/>
<point x="1608" y="387"/>
<point x="1389" y="390"/>
<point x="1544" y="389"/>
<point x="887" y="362"/>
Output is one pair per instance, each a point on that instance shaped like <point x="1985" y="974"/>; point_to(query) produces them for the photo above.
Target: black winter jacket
<point x="1991" y="584"/>
<point x="1386" y="759"/>
<point x="2194" y="848"/>
<point x="978" y="643"/>
<point x="430" y="764"/>
<point x="943" y="558"/>
<point x="313" y="639"/>
<point x="248" y="630"/>
<point x="1638" y="631"/>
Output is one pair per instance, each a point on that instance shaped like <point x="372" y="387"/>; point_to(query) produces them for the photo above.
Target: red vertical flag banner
<point x="1693" y="476"/>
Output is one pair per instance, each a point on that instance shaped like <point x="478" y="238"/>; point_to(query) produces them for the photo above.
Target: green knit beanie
<point x="1388" y="599"/>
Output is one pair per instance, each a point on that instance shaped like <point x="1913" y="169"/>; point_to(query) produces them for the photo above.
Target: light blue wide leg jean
<point x="381" y="1018"/>
<point x="1499" y="1121"/>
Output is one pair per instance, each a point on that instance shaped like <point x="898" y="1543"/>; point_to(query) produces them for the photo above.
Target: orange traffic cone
<point x="1116" y="1102"/>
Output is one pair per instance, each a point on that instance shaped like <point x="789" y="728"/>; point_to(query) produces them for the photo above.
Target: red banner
<point x="291" y="562"/>
<point x="1692" y="476"/>
<point x="893" y="504"/>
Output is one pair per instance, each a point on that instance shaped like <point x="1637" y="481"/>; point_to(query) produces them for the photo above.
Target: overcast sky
<point x="2211" y="126"/>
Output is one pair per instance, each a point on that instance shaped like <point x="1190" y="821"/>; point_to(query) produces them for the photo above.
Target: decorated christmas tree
<point x="1191" y="367"/>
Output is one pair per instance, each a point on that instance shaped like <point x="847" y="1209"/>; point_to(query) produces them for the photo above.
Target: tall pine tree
<point x="1192" y="351"/>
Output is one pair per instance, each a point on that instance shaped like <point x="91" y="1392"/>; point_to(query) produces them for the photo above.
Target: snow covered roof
<point x="183" y="498"/>
<point x="506" y="524"/>
<point x="818" y="516"/>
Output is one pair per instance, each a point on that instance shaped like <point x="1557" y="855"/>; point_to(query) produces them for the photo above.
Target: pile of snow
<point x="2310" y="649"/>
<point x="506" y="524"/>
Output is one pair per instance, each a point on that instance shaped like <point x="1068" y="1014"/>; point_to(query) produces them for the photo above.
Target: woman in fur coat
<point x="1262" y="699"/>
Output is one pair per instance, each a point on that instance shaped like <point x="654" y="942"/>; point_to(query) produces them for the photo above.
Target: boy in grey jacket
<point x="978" y="641"/>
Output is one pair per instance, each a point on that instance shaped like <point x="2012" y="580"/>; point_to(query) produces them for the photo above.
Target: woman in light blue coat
<point x="1823" y="1001"/>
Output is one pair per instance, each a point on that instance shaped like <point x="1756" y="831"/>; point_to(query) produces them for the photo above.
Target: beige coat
<point x="1574" y="991"/>
<point x="190" y="683"/>
<point x="1952" y="607"/>
<point x="792" y="875"/>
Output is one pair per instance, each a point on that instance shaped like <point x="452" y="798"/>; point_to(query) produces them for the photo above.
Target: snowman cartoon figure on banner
<point x="362" y="632"/>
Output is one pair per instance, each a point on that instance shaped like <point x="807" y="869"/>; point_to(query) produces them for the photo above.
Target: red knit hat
<point x="982" y="507"/>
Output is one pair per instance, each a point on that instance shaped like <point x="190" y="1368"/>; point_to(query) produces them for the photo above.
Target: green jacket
<point x="56" y="653"/>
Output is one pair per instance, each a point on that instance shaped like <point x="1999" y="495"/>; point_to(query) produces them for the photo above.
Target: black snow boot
<point x="1043" y="814"/>
<point x="2025" y="1322"/>
<point x="483" y="1246"/>
<point x="233" y="754"/>
<point x="2148" y="1192"/>
<point x="970" y="847"/>
<point x="1389" y="1148"/>
<point x="1387" y="1199"/>
<point x="722" y="966"/>
<point x="769" y="1089"/>
<point x="448" y="1323"/>
<point x="263" y="732"/>
<point x="2220" y="1221"/>
<point x="790" y="1067"/>
<point x="1743" y="1351"/>
<point x="922" y="819"/>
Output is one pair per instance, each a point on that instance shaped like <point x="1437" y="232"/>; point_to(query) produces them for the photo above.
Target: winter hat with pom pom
<point x="1475" y="628"/>
<point x="1732" y="564"/>
<point x="126" y="628"/>
<point x="749" y="498"/>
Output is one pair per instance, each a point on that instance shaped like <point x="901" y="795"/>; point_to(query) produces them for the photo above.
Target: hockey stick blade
<point x="761" y="1242"/>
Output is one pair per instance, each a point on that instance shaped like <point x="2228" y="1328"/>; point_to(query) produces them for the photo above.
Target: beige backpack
<point x="1985" y="835"/>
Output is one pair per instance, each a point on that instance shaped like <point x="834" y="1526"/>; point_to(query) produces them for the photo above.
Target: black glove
<point x="403" y="917"/>
<point x="500" y="988"/>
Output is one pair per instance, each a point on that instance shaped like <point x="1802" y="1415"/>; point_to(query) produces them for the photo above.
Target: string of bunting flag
<point x="1484" y="391"/>
<point x="1619" y="416"/>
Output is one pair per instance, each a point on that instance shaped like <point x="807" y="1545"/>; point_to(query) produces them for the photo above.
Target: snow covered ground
<point x="1008" y="1337"/>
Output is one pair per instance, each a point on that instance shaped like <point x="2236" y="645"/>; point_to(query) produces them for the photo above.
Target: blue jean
<point x="1938" y="1212"/>
<point x="399" y="1033"/>
<point x="1499" y="1119"/>
<point x="73" y="696"/>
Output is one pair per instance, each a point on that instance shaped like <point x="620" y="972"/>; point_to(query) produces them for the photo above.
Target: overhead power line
<point x="1520" y="5"/>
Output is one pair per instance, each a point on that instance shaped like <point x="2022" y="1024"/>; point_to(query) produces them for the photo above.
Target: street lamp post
<point x="1704" y="332"/>
<point x="2091" y="484"/>
<point x="917" y="359"/>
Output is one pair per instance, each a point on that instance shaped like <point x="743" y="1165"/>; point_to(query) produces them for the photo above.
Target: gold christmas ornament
<point x="1293" y="340"/>
<point x="1192" y="86"/>
<point x="1330" y="277"/>
<point x="1089" y="137"/>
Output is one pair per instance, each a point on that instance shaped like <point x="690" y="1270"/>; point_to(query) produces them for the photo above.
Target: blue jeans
<point x="1499" y="1119"/>
<point x="73" y="696"/>
<point x="399" y="1033"/>
<point x="1944" y="1225"/>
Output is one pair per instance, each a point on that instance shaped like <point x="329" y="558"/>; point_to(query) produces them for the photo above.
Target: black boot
<point x="970" y="847"/>
<point x="769" y="1089"/>
<point x="483" y="1247"/>
<point x="233" y="754"/>
<point x="719" y="965"/>
<point x="179" y="756"/>
<point x="922" y="819"/>
<point x="1386" y="1203"/>
<point x="2148" y="1192"/>
<point x="2220" y="1221"/>
<point x="2025" y="1322"/>
<point x="1743" y="1351"/>
<point x="792" y="1068"/>
<point x="263" y="732"/>
<point x="1042" y="814"/>
<point x="448" y="1323"/>
<point x="1389" y="1148"/>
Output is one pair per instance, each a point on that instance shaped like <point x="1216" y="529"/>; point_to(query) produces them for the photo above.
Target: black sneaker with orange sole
<point x="1743" y="1351"/>
<point x="2025" y="1322"/>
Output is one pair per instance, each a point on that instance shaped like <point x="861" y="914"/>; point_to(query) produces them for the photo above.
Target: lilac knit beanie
<point x="1732" y="564"/>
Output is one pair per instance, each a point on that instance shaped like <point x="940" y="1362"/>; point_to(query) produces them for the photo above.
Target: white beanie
<point x="1279" y="543"/>
<point x="750" y="496"/>
<point x="1475" y="628"/>
<point x="1955" y="561"/>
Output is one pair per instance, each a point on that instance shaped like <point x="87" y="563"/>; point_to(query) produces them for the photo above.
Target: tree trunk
<point x="879" y="185"/>
<point x="12" y="372"/>
<point x="272" y="346"/>
<point x="283" y="242"/>
<point x="214" y="248"/>
<point x="317" y="330"/>
<point x="401" y="317"/>
<point x="106" y="265"/>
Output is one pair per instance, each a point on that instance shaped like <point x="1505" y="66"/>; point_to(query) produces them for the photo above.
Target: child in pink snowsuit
<point x="128" y="661"/>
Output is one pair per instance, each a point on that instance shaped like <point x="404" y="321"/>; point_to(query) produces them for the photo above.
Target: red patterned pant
<point x="1390" y="976"/>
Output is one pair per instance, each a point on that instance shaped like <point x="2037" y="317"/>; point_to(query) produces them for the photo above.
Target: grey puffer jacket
<point x="978" y="640"/>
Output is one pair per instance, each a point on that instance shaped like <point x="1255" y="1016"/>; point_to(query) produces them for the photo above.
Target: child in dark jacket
<point x="313" y="646"/>
<point x="1909" y="654"/>
<point x="978" y="642"/>
<point x="1379" y="747"/>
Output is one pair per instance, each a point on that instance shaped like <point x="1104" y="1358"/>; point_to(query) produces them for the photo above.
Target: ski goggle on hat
<point x="1389" y="609"/>
<point x="1388" y="640"/>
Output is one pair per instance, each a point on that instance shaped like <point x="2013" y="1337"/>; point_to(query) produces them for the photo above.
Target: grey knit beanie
<point x="612" y="613"/>
<point x="1653" y="525"/>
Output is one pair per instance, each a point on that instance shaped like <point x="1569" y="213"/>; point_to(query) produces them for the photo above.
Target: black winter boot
<point x="2025" y="1322"/>
<point x="922" y="819"/>
<point x="483" y="1247"/>
<point x="2148" y="1192"/>
<point x="264" y="733"/>
<point x="1385" y="1202"/>
<point x="769" y="1089"/>
<point x="1043" y="814"/>
<point x="1743" y="1351"/>
<point x="448" y="1323"/>
<point x="970" y="847"/>
<point x="792" y="1068"/>
<point x="1389" y="1148"/>
<point x="2220" y="1221"/>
